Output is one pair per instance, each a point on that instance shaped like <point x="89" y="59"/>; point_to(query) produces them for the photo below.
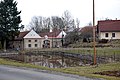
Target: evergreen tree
<point x="9" y="21"/>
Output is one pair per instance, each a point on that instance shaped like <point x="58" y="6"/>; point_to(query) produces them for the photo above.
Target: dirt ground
<point x="110" y="73"/>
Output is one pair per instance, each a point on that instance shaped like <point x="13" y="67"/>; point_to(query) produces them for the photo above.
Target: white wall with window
<point x="32" y="40"/>
<point x="32" y="43"/>
<point x="110" y="35"/>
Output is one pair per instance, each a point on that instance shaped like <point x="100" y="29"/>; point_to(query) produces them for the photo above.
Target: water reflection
<point x="52" y="61"/>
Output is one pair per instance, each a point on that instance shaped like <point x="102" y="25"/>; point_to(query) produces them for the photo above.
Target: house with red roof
<point x="32" y="40"/>
<point x="108" y="29"/>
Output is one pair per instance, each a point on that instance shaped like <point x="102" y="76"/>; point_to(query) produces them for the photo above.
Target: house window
<point x="35" y="40"/>
<point x="29" y="45"/>
<point x="36" y="45"/>
<point x="113" y="34"/>
<point x="29" y="40"/>
<point x="106" y="34"/>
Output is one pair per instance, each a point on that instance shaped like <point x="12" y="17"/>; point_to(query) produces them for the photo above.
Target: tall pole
<point x="94" y="29"/>
<point x="62" y="38"/>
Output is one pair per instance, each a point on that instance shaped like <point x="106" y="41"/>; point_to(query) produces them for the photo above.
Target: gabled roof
<point x="32" y="34"/>
<point x="21" y="35"/>
<point x="109" y="26"/>
<point x="50" y="34"/>
<point x="61" y="34"/>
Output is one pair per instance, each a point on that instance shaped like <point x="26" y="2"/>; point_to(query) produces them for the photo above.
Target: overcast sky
<point x="81" y="9"/>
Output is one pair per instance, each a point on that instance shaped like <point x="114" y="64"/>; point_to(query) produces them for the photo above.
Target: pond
<point x="62" y="59"/>
<point x="57" y="61"/>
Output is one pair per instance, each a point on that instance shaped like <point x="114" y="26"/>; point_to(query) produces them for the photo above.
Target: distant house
<point x="108" y="29"/>
<point x="52" y="39"/>
<point x="32" y="40"/>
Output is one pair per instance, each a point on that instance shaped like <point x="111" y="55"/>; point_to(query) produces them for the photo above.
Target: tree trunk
<point x="4" y="45"/>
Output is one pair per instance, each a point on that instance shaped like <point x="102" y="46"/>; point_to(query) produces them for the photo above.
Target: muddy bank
<point x="109" y="73"/>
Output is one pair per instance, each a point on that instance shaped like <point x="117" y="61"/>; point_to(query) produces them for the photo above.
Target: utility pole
<point x="62" y="38"/>
<point x="94" y="30"/>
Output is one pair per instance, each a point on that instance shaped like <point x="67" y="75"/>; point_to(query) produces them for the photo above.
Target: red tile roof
<point x="50" y="34"/>
<point x="109" y="26"/>
<point x="21" y="35"/>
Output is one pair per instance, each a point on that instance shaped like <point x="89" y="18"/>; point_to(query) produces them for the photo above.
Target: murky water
<point x="54" y="61"/>
<point x="61" y="59"/>
<point x="57" y="61"/>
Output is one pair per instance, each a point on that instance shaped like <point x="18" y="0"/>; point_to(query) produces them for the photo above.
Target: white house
<point x="32" y="40"/>
<point x="109" y="29"/>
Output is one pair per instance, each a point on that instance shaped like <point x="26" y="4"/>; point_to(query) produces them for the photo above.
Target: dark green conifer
<point x="9" y="21"/>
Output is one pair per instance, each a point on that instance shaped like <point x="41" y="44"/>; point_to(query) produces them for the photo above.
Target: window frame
<point x="36" y="40"/>
<point x="29" y="40"/>
<point x="36" y="45"/>
<point x="106" y="35"/>
<point x="113" y="34"/>
<point x="29" y="45"/>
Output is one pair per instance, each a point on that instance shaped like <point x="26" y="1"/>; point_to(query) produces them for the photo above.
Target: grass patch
<point x="101" y="52"/>
<point x="82" y="71"/>
<point x="20" y="64"/>
<point x="89" y="70"/>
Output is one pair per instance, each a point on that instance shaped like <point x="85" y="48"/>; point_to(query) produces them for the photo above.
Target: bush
<point x="71" y="37"/>
<point x="103" y="41"/>
<point x="85" y="40"/>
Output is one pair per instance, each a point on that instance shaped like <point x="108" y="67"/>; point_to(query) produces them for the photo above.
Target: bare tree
<point x="57" y="22"/>
<point x="47" y="24"/>
<point x="90" y="24"/>
<point x="68" y="20"/>
<point x="36" y="23"/>
<point x="40" y="24"/>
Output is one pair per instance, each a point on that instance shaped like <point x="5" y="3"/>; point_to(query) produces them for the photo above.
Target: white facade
<point x="32" y="40"/>
<point x="61" y="33"/>
<point x="32" y="43"/>
<point x="32" y="34"/>
<point x="102" y="35"/>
